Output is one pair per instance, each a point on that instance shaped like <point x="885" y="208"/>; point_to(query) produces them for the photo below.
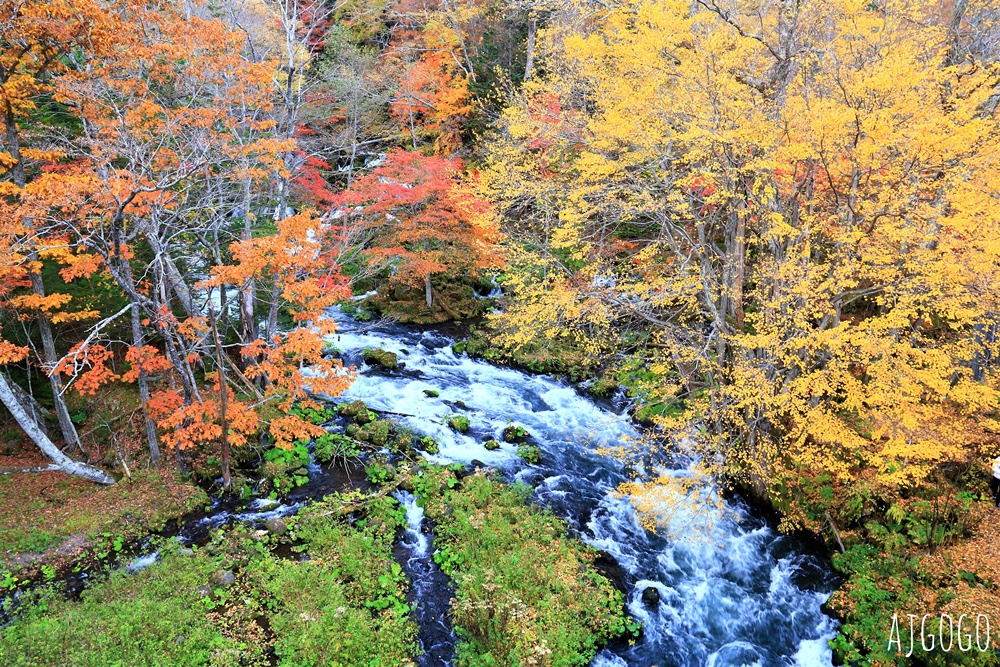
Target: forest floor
<point x="49" y="518"/>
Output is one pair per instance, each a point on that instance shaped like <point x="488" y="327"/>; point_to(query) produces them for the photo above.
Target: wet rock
<point x="651" y="596"/>
<point x="476" y="463"/>
<point x="205" y="592"/>
<point x="461" y="405"/>
<point x="365" y="417"/>
<point x="221" y="579"/>
<point x="515" y="433"/>
<point x="276" y="526"/>
<point x="379" y="357"/>
<point x="491" y="444"/>
<point x="432" y="393"/>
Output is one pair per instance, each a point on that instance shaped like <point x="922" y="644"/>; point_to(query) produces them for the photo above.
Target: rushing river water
<point x="744" y="596"/>
<point x="741" y="595"/>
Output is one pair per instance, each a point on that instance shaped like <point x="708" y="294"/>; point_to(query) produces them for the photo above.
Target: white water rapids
<point x="747" y="596"/>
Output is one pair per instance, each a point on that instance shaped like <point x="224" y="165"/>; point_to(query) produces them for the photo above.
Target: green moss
<point x="351" y="409"/>
<point x="152" y="618"/>
<point x="431" y="393"/>
<point x="491" y="444"/>
<point x="379" y="357"/>
<point x="459" y="423"/>
<point x="521" y="584"/>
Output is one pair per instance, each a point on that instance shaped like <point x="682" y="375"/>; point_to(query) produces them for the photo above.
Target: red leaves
<point x="423" y="217"/>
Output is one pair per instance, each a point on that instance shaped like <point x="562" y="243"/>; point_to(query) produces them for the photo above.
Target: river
<point x="741" y="595"/>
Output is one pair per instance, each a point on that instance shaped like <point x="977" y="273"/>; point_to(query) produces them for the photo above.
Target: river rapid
<point x="740" y="595"/>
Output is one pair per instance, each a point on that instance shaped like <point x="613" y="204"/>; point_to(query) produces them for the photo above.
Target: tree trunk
<point x="223" y="393"/>
<point x="529" y="59"/>
<point x="38" y="288"/>
<point x="61" y="462"/>
<point x="138" y="341"/>
<point x="428" y="291"/>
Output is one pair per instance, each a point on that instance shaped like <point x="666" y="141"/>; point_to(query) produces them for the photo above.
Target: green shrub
<point x="428" y="444"/>
<point x="334" y="445"/>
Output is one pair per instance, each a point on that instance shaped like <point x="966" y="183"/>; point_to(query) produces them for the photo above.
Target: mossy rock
<point x="491" y="445"/>
<point x="376" y="432"/>
<point x="401" y="443"/>
<point x="515" y="433"/>
<point x="352" y="431"/>
<point x="365" y="417"/>
<point x="459" y="348"/>
<point x="351" y="409"/>
<point x="428" y="444"/>
<point x="459" y="423"/>
<point x="380" y="357"/>
<point x="432" y="393"/>
<point x="530" y="454"/>
<point x="604" y="386"/>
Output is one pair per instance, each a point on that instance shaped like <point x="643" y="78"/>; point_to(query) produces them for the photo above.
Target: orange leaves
<point x="189" y="426"/>
<point x="88" y="364"/>
<point x="147" y="359"/>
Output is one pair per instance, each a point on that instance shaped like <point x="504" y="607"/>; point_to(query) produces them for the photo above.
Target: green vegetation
<point x="514" y="603"/>
<point x="459" y="423"/>
<point x="154" y="618"/>
<point x="515" y="433"/>
<point x="432" y="393"/>
<point x="530" y="453"/>
<point x="333" y="446"/>
<point x="491" y="444"/>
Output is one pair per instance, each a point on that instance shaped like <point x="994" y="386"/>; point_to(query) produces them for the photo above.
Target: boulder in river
<point x="459" y="422"/>
<point x="351" y="409"/>
<point x="491" y="444"/>
<point x="651" y="596"/>
<point x="432" y="393"/>
<point x="380" y="357"/>
<point x="515" y="433"/>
